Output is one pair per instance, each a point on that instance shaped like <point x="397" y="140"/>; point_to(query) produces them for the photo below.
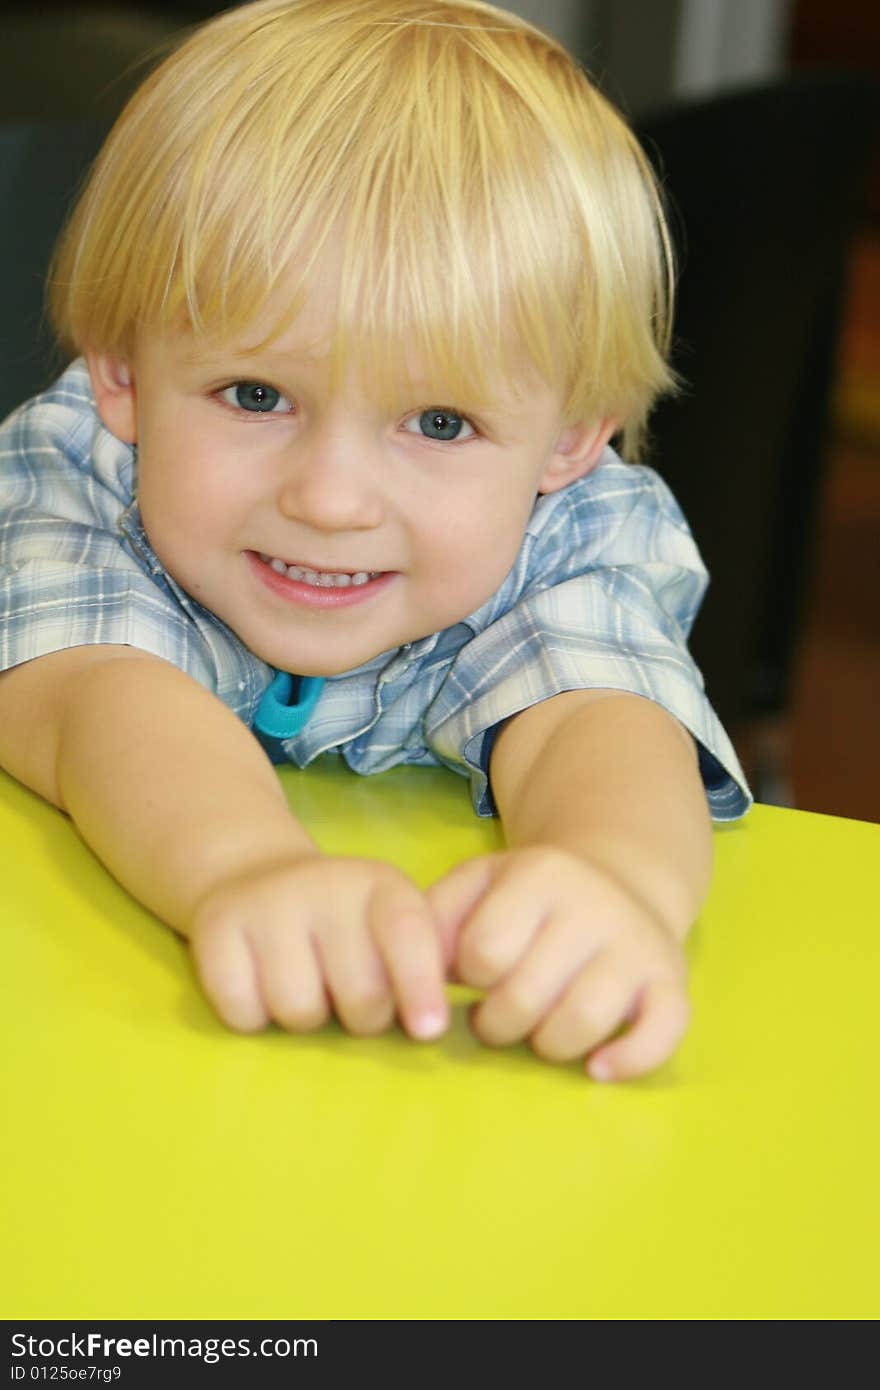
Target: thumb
<point x="453" y="898"/>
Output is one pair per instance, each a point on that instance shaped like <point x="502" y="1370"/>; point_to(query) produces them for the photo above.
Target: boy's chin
<point x="323" y="665"/>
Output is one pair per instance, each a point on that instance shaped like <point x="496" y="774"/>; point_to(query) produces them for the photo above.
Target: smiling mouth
<point x="320" y="579"/>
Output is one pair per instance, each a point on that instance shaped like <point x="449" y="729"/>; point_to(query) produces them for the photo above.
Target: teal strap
<point x="277" y="715"/>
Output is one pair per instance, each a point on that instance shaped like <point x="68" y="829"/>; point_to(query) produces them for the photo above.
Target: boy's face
<point x="396" y="523"/>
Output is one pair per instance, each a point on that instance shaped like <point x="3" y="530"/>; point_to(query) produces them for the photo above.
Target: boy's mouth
<point x="315" y="589"/>
<point x="320" y="579"/>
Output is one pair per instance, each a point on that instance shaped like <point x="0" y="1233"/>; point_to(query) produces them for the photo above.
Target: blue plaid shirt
<point x="602" y="595"/>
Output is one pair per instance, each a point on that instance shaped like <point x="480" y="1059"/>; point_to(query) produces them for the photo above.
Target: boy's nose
<point x="331" y="485"/>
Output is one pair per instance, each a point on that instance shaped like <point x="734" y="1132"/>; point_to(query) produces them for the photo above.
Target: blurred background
<point x="780" y="476"/>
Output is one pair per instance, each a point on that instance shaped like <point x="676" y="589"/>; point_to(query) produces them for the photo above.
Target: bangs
<point x="482" y="208"/>
<point x="420" y="195"/>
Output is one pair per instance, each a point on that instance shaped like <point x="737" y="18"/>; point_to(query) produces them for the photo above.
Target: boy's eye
<point x="439" y="423"/>
<point x="256" y="397"/>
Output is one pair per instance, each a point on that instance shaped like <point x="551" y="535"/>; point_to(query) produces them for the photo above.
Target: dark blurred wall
<point x="844" y="34"/>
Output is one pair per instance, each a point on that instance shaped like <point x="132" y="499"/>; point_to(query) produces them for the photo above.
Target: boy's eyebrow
<point x="201" y="357"/>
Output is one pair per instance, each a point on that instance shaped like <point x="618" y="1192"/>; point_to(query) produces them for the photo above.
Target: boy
<point x="363" y="290"/>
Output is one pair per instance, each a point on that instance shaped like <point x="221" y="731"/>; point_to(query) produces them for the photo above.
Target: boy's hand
<point x="291" y="941"/>
<point x="567" y="954"/>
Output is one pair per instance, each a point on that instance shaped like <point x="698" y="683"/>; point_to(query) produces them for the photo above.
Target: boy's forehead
<point x="308" y="321"/>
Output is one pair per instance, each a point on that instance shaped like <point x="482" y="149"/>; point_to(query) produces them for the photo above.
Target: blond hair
<point x="490" y="204"/>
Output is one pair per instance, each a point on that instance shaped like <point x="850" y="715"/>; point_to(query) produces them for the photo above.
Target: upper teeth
<point x="326" y="579"/>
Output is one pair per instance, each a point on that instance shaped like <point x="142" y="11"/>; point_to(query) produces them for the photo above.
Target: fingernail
<point x="429" y="1025"/>
<point x="600" y="1070"/>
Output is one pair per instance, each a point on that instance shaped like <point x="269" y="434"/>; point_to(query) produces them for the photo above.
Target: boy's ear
<point x="115" y="395"/>
<point x="578" y="450"/>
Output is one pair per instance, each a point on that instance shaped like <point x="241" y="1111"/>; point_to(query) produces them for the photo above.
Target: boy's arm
<point x="578" y="927"/>
<point x="176" y="797"/>
<point x="612" y="777"/>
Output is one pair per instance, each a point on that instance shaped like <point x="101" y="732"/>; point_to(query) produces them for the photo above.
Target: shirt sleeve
<point x="606" y="597"/>
<point x="75" y="567"/>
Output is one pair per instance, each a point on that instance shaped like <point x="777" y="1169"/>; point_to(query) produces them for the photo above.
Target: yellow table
<point x="157" y="1166"/>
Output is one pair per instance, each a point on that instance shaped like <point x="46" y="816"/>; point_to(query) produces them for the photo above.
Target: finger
<point x="593" y="1004"/>
<point x="661" y="1018"/>
<point x="291" y="979"/>
<point x="549" y="958"/>
<point x="504" y="921"/>
<point x="403" y="929"/>
<point x="226" y="967"/>
<point x="453" y="898"/>
<point x="355" y="974"/>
